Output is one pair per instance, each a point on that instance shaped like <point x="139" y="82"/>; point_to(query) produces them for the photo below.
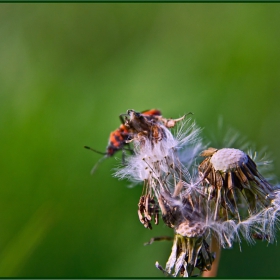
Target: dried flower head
<point x="238" y="195"/>
<point x="187" y="253"/>
<point x="224" y="197"/>
<point x="186" y="214"/>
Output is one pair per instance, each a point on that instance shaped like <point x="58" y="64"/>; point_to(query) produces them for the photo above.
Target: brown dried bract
<point x="187" y="254"/>
<point x="208" y="152"/>
<point x="148" y="208"/>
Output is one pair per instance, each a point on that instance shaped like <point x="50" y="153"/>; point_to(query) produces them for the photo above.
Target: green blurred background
<point x="66" y="73"/>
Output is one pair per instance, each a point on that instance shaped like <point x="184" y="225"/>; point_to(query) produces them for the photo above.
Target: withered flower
<point x="186" y="214"/>
<point x="223" y="198"/>
<point x="188" y="253"/>
<point x="239" y="196"/>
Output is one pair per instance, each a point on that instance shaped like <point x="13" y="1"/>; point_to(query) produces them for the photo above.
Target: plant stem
<point x="214" y="269"/>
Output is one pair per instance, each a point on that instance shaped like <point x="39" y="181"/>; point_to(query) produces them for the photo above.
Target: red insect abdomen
<point x="152" y="112"/>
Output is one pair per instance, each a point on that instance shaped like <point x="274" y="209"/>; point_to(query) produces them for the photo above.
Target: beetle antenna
<point x="89" y="148"/>
<point x="95" y="166"/>
<point x="99" y="161"/>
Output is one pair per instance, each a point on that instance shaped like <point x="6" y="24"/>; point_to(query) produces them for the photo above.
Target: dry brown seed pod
<point x="235" y="182"/>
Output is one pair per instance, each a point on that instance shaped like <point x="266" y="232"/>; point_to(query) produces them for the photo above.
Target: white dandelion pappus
<point x="149" y="158"/>
<point x="156" y="159"/>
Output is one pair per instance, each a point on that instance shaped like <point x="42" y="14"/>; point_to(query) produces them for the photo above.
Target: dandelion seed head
<point x="227" y="159"/>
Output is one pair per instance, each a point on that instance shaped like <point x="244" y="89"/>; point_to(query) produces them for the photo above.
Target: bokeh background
<point x="66" y="73"/>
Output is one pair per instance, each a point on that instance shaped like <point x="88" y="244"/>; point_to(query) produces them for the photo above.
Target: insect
<point x="119" y="138"/>
<point x="149" y="124"/>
